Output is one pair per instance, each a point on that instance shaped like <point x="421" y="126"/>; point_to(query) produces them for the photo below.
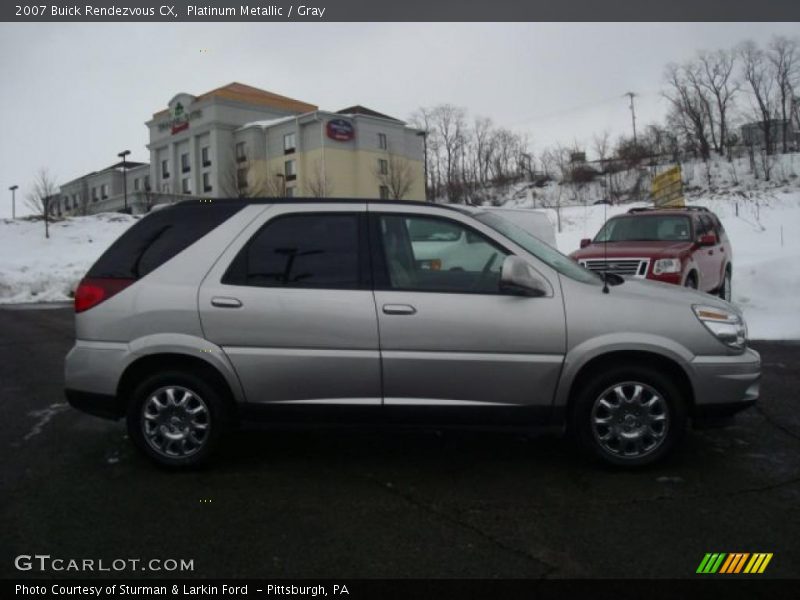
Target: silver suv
<point x="205" y="315"/>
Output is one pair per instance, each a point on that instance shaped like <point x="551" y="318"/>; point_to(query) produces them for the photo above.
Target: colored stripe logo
<point x="734" y="562"/>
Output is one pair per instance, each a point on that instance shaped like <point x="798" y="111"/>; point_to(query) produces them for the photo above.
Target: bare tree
<point x="756" y="73"/>
<point x="42" y="194"/>
<point x="689" y="107"/>
<point x="784" y="56"/>
<point x="238" y="178"/>
<point x="318" y="182"/>
<point x="717" y="78"/>
<point x="396" y="174"/>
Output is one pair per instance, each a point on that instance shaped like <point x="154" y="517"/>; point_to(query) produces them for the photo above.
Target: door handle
<point x="399" y="309"/>
<point x="224" y="302"/>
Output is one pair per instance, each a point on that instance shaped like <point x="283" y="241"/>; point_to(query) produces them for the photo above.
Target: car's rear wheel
<point x="725" y="290"/>
<point x="175" y="418"/>
<point x="629" y="416"/>
<point x="691" y="281"/>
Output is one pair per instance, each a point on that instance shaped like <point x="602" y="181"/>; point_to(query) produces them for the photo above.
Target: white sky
<point x="73" y="95"/>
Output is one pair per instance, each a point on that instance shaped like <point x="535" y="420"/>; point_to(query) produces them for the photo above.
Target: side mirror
<point x="585" y="242"/>
<point x="708" y="239"/>
<point x="517" y="278"/>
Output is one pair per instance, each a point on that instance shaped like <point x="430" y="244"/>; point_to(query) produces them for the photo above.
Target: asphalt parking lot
<point x="372" y="504"/>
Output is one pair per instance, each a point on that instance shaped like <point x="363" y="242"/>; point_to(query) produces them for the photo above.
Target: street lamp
<point x="424" y="136"/>
<point x="123" y="156"/>
<point x="14" y="189"/>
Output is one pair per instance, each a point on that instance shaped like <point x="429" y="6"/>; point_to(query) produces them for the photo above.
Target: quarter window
<point x="306" y="251"/>
<point x="439" y="255"/>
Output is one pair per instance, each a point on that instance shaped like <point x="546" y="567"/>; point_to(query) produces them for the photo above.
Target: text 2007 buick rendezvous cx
<point x="203" y="315"/>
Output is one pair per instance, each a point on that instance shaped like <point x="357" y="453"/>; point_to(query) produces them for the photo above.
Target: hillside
<point x="762" y="220"/>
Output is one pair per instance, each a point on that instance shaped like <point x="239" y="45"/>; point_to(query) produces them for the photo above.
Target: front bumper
<point x="725" y="385"/>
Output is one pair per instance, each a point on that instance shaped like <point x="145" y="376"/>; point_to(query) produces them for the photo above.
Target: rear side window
<point x="160" y="236"/>
<point x="303" y="251"/>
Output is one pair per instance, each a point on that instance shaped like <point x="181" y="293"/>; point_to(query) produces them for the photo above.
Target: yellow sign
<point x="667" y="188"/>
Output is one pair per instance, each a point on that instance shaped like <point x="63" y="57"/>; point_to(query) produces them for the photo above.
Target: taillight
<point x="94" y="290"/>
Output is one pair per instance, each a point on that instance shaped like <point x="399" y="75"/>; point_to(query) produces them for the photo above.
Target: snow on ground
<point x="35" y="269"/>
<point x="766" y="253"/>
<point x="765" y="237"/>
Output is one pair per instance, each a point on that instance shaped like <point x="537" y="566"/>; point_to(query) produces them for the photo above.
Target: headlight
<point x="728" y="327"/>
<point x="667" y="265"/>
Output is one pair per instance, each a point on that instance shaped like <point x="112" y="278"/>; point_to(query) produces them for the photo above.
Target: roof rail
<point x="653" y="208"/>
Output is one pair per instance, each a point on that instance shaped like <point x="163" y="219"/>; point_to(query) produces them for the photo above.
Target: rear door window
<point x="306" y="250"/>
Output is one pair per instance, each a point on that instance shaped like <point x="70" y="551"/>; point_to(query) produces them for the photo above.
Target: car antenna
<point x="605" y="247"/>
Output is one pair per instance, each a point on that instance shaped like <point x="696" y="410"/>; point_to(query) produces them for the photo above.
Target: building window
<point x="165" y="188"/>
<point x="136" y="184"/>
<point x="383" y="166"/>
<point x="147" y="183"/>
<point x="204" y="155"/>
<point x="94" y="194"/>
<point x="66" y="203"/>
<point x="241" y="178"/>
<point x="165" y="169"/>
<point x="290" y="192"/>
<point x="290" y="170"/>
<point x="240" y="154"/>
<point x="74" y="200"/>
<point x="384" y="191"/>
<point x="382" y="143"/>
<point x="206" y="182"/>
<point x="104" y="191"/>
<point x="185" y="167"/>
<point x="289" y="143"/>
<point x="185" y="185"/>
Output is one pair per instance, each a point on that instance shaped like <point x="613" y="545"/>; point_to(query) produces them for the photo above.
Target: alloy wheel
<point x="175" y="421"/>
<point x="630" y="420"/>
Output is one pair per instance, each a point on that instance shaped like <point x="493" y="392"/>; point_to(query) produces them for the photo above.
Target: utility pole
<point x="632" y="95"/>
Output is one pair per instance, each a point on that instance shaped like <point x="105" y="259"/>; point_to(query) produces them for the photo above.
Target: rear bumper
<point x="99" y="405"/>
<point x="725" y="385"/>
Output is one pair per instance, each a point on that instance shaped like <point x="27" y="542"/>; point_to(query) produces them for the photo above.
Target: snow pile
<point x="35" y="269"/>
<point x="766" y="253"/>
<point x="765" y="235"/>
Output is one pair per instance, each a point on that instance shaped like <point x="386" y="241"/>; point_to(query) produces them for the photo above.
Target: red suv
<point x="685" y="246"/>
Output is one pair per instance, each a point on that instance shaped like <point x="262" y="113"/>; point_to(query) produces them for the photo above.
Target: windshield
<point x="547" y="254"/>
<point x="663" y="228"/>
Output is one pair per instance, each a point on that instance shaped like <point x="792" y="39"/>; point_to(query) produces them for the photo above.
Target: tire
<point x="174" y="429"/>
<point x="691" y="281"/>
<point x="725" y="290"/>
<point x="616" y="442"/>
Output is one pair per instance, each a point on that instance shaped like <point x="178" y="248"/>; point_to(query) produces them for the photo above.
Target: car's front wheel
<point x="629" y="416"/>
<point x="175" y="418"/>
